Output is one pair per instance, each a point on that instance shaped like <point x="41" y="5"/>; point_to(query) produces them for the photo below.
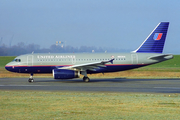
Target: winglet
<point x="111" y="61"/>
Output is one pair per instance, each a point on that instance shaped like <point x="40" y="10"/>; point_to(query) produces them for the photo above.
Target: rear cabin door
<point x="134" y="58"/>
<point x="29" y="60"/>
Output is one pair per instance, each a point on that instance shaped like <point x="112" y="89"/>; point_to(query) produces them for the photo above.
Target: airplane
<point x="71" y="65"/>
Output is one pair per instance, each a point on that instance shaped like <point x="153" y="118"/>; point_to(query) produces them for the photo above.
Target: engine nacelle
<point x="65" y="74"/>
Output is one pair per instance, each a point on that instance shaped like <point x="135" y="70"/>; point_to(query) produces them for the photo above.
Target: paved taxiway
<point x="99" y="85"/>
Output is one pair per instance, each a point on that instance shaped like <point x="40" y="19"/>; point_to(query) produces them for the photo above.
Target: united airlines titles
<point x="54" y="56"/>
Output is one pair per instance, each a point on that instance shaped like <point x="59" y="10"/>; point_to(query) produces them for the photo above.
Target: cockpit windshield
<point x="17" y="60"/>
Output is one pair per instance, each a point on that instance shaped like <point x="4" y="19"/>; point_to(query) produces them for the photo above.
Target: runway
<point x="95" y="85"/>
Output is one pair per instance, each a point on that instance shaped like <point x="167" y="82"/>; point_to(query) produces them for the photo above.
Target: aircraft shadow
<point x="121" y="80"/>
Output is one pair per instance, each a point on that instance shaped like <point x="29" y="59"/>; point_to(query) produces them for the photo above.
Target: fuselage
<point x="45" y="63"/>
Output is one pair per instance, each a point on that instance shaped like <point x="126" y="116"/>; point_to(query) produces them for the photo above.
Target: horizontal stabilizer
<point x="161" y="57"/>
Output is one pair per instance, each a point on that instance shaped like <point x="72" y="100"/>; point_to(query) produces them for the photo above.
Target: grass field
<point x="5" y="59"/>
<point x="91" y="106"/>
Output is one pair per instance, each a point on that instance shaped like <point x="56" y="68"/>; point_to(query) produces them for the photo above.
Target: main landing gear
<point x="86" y="79"/>
<point x="31" y="80"/>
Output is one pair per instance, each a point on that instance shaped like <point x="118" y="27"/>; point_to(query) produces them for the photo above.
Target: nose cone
<point x="9" y="67"/>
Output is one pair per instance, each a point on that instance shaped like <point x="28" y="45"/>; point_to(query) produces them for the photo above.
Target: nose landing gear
<point x="31" y="80"/>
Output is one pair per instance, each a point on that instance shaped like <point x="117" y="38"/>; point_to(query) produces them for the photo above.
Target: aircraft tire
<point x="86" y="79"/>
<point x="31" y="80"/>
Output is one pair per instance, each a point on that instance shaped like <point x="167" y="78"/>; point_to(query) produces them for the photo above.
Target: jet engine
<point x="65" y="74"/>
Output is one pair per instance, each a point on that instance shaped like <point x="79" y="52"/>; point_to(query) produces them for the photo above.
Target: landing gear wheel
<point x="31" y="80"/>
<point x="86" y="79"/>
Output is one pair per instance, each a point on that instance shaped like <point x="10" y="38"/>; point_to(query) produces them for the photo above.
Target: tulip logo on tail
<point x="157" y="36"/>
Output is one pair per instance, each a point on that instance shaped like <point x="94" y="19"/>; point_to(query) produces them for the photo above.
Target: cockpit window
<point x="17" y="60"/>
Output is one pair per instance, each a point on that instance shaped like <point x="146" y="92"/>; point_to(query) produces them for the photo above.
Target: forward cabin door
<point x="134" y="58"/>
<point x="30" y="60"/>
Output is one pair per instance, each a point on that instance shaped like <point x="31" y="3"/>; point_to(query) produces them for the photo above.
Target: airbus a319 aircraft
<point x="71" y="65"/>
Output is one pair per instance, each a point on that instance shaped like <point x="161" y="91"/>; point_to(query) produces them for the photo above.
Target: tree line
<point x="22" y="48"/>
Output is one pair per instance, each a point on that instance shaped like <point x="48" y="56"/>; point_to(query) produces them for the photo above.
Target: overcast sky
<point x="120" y="24"/>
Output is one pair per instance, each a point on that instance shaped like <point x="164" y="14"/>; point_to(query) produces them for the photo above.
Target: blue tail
<point x="154" y="43"/>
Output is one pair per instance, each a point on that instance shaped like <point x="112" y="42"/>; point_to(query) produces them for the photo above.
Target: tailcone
<point x="170" y="56"/>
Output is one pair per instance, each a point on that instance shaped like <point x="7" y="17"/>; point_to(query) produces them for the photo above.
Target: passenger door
<point x="30" y="60"/>
<point x="134" y="58"/>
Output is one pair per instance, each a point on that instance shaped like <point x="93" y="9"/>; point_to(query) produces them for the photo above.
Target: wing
<point x="88" y="66"/>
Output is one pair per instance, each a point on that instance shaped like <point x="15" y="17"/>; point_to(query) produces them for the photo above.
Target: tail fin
<point x="154" y="43"/>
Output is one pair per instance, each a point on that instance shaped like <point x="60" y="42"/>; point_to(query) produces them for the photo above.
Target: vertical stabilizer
<point x="154" y="43"/>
